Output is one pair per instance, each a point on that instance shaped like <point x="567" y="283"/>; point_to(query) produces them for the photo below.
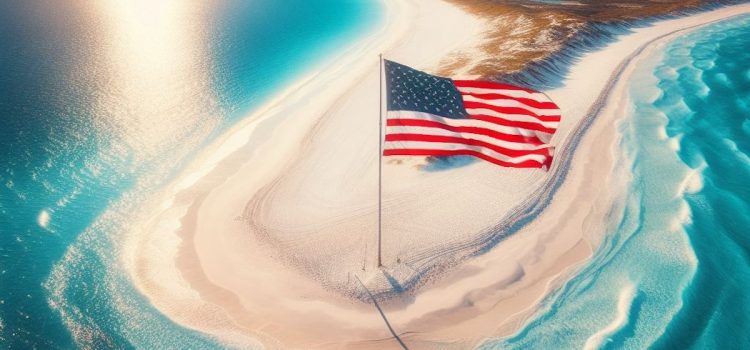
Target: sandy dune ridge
<point x="262" y="239"/>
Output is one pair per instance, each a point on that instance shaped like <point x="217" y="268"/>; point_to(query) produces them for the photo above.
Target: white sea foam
<point x="683" y="217"/>
<point x="43" y="218"/>
<point x="681" y="109"/>
<point x="624" y="302"/>
<point x="666" y="73"/>
<point x="704" y="91"/>
<point x="187" y="309"/>
<point x="674" y="142"/>
<point x="62" y="202"/>
<point x="56" y="285"/>
<point x="662" y="134"/>
<point x="693" y="181"/>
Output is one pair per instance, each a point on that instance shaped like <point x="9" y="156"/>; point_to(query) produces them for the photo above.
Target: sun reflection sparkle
<point x="159" y="87"/>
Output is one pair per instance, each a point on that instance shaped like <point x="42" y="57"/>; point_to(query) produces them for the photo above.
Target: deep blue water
<point x="102" y="102"/>
<point x="674" y="269"/>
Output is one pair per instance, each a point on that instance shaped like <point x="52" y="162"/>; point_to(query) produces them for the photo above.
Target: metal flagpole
<point x="380" y="162"/>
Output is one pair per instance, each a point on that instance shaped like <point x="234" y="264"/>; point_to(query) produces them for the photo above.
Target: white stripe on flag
<point x="502" y="102"/>
<point x="538" y="96"/>
<point x="469" y="123"/>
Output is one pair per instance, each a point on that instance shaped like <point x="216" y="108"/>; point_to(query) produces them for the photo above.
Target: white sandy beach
<point x="262" y="239"/>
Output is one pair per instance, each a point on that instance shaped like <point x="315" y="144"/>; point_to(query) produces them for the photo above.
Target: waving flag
<point x="433" y="116"/>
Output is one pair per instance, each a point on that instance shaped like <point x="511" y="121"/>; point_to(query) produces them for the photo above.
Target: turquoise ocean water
<point x="101" y="103"/>
<point x="673" y="272"/>
<point x="97" y="112"/>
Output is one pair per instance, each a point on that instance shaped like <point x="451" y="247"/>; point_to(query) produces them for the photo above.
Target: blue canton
<point x="411" y="90"/>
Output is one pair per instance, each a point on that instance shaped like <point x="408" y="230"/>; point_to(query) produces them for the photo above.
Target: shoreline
<point x="438" y="312"/>
<point x="531" y="207"/>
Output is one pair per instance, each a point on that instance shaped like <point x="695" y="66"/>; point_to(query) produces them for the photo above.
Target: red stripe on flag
<point x="465" y="141"/>
<point x="533" y="140"/>
<point x="520" y="125"/>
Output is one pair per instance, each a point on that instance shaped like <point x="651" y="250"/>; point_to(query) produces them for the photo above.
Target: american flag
<point x="433" y="116"/>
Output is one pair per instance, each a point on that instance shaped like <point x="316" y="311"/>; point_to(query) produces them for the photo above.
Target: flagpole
<point x="380" y="162"/>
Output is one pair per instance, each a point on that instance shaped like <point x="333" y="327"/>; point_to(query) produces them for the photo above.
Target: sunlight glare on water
<point x="103" y="103"/>
<point x="158" y="70"/>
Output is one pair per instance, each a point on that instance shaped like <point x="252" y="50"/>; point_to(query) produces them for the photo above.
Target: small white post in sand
<point x="380" y="160"/>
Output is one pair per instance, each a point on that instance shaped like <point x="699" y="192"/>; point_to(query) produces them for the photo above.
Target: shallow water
<point x="102" y="102"/>
<point x="95" y="123"/>
<point x="673" y="272"/>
